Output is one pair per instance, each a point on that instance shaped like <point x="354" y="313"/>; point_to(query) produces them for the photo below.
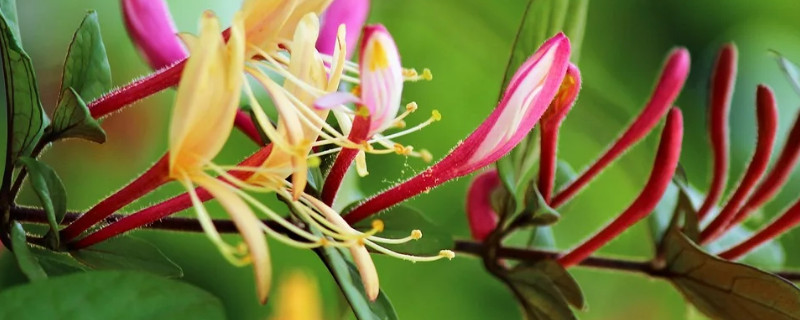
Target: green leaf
<point x="51" y="193"/>
<point x="349" y="282"/>
<point x="564" y="174"/>
<point x="27" y="262"/>
<point x="400" y="221"/>
<point x="72" y="119"/>
<point x="57" y="263"/>
<point x="382" y="307"/>
<point x="109" y="295"/>
<point x="9" y="10"/>
<point x="24" y="111"/>
<point x="726" y="290"/>
<point x="790" y="69"/>
<point x="128" y="253"/>
<point x="86" y="68"/>
<point x="676" y="208"/>
<point x="540" y="294"/>
<point x="86" y="76"/>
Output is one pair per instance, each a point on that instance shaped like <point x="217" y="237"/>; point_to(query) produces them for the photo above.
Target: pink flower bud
<point x="480" y="214"/>
<point x="152" y="30"/>
<point x="350" y="13"/>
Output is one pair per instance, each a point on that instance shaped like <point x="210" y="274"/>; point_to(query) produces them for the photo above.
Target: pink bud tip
<point x="480" y="214"/>
<point x="351" y="13"/>
<point x="152" y="30"/>
<point x="666" y="161"/>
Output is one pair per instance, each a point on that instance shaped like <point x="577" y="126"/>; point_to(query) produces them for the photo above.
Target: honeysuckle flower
<point x="204" y="114"/>
<point x="298" y="298"/>
<point x="549" y="127"/>
<point x="767" y="116"/>
<point x="352" y="14"/>
<point x="666" y="161"/>
<point x="669" y="85"/>
<point x="480" y="214"/>
<point x="379" y="92"/>
<point x="152" y="30"/>
<point x="529" y="92"/>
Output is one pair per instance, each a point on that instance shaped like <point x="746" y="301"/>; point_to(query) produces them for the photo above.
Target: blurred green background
<point x="466" y="44"/>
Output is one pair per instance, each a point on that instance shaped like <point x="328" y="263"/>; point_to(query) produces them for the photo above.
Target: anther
<point x="416" y="234"/>
<point x="314" y="162"/>
<point x="447" y="254"/>
<point x="400" y="124"/>
<point x="436" y="115"/>
<point x="411" y="107"/>
<point x="425" y="155"/>
<point x="377" y="225"/>
<point x="426" y="74"/>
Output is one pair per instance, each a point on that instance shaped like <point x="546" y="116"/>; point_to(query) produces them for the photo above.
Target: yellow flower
<point x="205" y="107"/>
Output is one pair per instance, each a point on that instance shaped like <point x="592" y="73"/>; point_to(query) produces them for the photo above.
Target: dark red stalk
<point x="175" y="204"/>
<point x="666" y="161"/>
<point x="548" y="143"/>
<point x="358" y="134"/>
<point x="722" y="83"/>
<point x="767" y="114"/>
<point x="420" y="183"/>
<point x="248" y="127"/>
<point x="776" y="177"/>
<point x="788" y="220"/>
<point x="670" y="83"/>
<point x="151" y="179"/>
<point x="136" y="90"/>
<point x="550" y="124"/>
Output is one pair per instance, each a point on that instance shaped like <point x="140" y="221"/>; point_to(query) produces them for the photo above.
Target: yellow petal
<point x="207" y="98"/>
<point x="249" y="227"/>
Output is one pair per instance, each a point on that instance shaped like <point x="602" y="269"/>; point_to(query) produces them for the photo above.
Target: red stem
<point x="175" y="204"/>
<point x="420" y="183"/>
<point x="333" y="181"/>
<point x="547" y="163"/>
<point x="767" y="114"/>
<point x="788" y="220"/>
<point x="722" y="83"/>
<point x="666" y="161"/>
<point x="246" y="125"/>
<point x="667" y="89"/>
<point x="136" y="90"/>
<point x="776" y="177"/>
<point x="151" y="179"/>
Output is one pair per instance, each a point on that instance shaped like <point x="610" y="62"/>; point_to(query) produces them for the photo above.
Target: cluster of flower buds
<point x="757" y="185"/>
<point x="483" y="217"/>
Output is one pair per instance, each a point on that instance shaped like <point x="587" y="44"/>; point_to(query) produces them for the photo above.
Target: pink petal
<point x="351" y="13"/>
<point x="480" y="214"/>
<point x="152" y="30"/>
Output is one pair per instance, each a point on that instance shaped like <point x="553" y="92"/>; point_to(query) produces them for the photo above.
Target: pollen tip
<point x="426" y="74"/>
<point x="412" y="106"/>
<point x="378" y="225"/>
<point x="447" y="254"/>
<point x="314" y="162"/>
<point x="436" y="115"/>
<point x="416" y="234"/>
<point x="425" y="155"/>
<point x="400" y="124"/>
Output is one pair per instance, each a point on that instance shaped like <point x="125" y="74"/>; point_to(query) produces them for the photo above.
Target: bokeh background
<point x="466" y="44"/>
